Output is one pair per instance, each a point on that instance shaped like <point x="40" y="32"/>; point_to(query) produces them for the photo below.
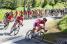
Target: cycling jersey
<point x="38" y="22"/>
<point x="19" y="20"/>
<point x="9" y="18"/>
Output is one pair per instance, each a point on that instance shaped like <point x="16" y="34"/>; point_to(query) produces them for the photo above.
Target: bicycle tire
<point x="14" y="30"/>
<point x="39" y="35"/>
<point x="6" y="27"/>
<point x="42" y="36"/>
<point x="29" y="33"/>
<point x="17" y="31"/>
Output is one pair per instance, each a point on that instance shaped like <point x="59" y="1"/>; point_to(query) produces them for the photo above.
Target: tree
<point x="13" y="5"/>
<point x="56" y="1"/>
<point x="33" y="3"/>
<point x="52" y="2"/>
<point x="1" y="3"/>
<point x="44" y="3"/>
<point x="63" y="24"/>
<point x="38" y="2"/>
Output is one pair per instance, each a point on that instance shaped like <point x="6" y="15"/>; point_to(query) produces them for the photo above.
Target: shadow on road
<point x="54" y="37"/>
<point x="29" y="41"/>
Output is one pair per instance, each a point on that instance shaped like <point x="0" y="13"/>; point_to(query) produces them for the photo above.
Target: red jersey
<point x="38" y="22"/>
<point x="19" y="18"/>
<point x="10" y="17"/>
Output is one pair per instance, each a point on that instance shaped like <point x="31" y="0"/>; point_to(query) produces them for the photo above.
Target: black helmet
<point x="44" y="19"/>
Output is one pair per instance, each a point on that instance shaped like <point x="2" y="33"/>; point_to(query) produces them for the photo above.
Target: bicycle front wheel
<point x="41" y="35"/>
<point x="15" y="31"/>
<point x="28" y="34"/>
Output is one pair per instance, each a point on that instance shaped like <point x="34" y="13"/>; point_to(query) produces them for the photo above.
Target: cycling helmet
<point x="44" y="19"/>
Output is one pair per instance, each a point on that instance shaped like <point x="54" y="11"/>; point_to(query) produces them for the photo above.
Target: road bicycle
<point x="40" y="34"/>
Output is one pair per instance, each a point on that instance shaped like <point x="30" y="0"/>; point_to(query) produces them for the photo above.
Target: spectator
<point x="16" y="14"/>
<point x="29" y="14"/>
<point x="25" y="14"/>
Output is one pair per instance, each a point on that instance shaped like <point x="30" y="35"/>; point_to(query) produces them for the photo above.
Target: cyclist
<point x="37" y="25"/>
<point x="19" y="20"/>
<point x="8" y="18"/>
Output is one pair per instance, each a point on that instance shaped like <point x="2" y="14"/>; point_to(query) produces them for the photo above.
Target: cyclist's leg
<point x="6" y="23"/>
<point x="21" y="23"/>
<point x="34" y="27"/>
<point x="36" y="31"/>
<point x="13" y="27"/>
<point x="39" y="28"/>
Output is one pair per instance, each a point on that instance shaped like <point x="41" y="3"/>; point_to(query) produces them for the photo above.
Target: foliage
<point x="21" y="8"/>
<point x="48" y="7"/>
<point x="52" y="3"/>
<point x="44" y="3"/>
<point x="33" y="3"/>
<point x="13" y="4"/>
<point x="8" y="4"/>
<point x="59" y="6"/>
<point x="38" y="3"/>
<point x="63" y="24"/>
<point x="66" y="4"/>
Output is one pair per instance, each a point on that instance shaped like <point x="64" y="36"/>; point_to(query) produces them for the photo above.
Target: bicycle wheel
<point x="5" y="27"/>
<point x="14" y="31"/>
<point x="41" y="35"/>
<point x="29" y="35"/>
